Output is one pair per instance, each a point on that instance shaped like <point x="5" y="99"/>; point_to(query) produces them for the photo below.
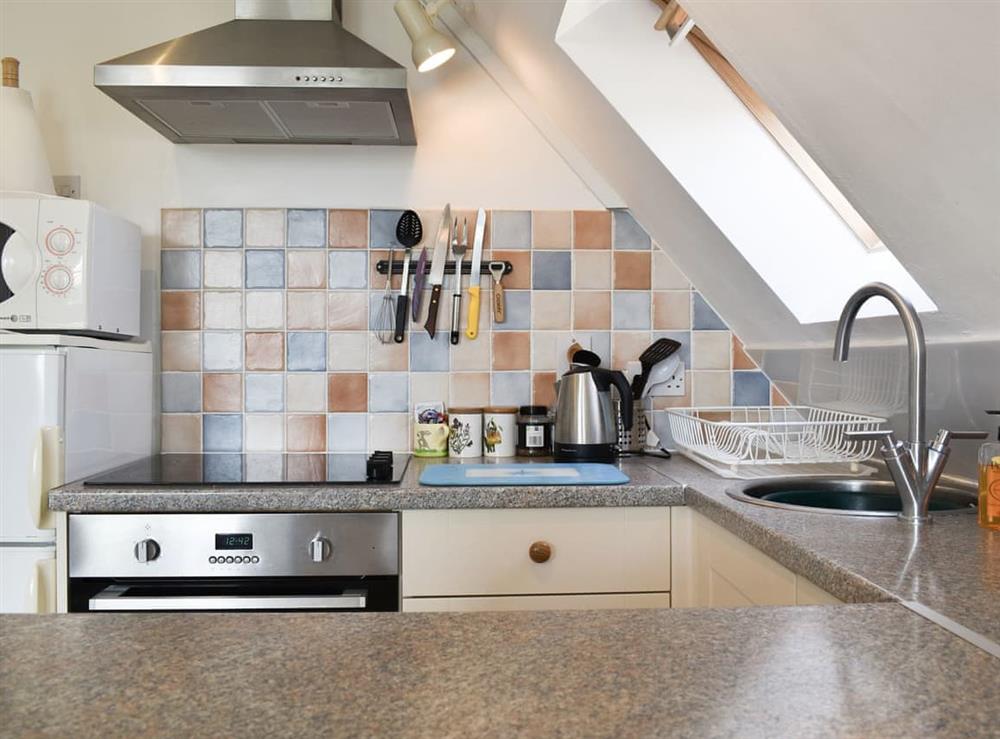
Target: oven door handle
<point x="114" y="598"/>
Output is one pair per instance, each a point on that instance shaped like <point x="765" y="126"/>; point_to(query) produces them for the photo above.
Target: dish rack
<point x="749" y="441"/>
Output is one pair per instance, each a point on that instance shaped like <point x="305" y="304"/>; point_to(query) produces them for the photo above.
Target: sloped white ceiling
<point x="899" y="104"/>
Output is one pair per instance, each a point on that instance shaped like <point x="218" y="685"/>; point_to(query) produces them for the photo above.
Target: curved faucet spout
<point x="917" y="350"/>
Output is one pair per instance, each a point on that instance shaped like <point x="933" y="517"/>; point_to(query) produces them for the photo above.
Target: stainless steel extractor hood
<point x="275" y="75"/>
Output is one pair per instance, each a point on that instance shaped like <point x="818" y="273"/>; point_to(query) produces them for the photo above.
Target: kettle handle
<point x="617" y="378"/>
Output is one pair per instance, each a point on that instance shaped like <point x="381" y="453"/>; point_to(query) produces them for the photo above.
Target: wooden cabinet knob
<point x="540" y="551"/>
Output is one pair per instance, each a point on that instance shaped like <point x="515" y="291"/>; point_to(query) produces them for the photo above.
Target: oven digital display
<point x="234" y="541"/>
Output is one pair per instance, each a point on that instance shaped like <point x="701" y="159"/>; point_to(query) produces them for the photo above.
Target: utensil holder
<point x="430" y="440"/>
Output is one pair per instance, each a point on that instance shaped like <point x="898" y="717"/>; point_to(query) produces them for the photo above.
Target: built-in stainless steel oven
<point x="234" y="562"/>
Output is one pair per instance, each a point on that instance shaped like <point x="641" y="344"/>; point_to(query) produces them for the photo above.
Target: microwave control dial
<point x="320" y="548"/>
<point x="147" y="550"/>
<point x="58" y="279"/>
<point x="60" y="241"/>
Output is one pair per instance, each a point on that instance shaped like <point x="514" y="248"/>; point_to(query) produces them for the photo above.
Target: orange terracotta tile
<point x="632" y="270"/>
<point x="672" y="310"/>
<point x="180" y="351"/>
<point x="741" y="360"/>
<point x="520" y="276"/>
<point x="348" y="228"/>
<point x="180" y="433"/>
<point x="305" y="433"/>
<point x="391" y="357"/>
<point x="222" y="392"/>
<point x="347" y="392"/>
<point x="543" y="388"/>
<point x="377" y="281"/>
<point x="347" y="311"/>
<point x="591" y="229"/>
<point x="265" y="350"/>
<point x="552" y="229"/>
<point x="180" y="310"/>
<point x="511" y="350"/>
<point x="305" y="467"/>
<point x="592" y="311"/>
<point x="777" y="398"/>
<point x="461" y="215"/>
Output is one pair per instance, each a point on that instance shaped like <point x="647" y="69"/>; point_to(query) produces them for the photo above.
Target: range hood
<point x="283" y="72"/>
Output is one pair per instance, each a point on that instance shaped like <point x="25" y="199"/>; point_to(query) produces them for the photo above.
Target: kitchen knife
<point x="418" y="285"/>
<point x="437" y="269"/>
<point x="472" y="329"/>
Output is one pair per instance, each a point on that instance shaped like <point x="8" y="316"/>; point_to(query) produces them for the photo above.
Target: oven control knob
<point x="320" y="548"/>
<point x="147" y="550"/>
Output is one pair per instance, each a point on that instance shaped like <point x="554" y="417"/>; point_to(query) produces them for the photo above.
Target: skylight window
<point x="735" y="159"/>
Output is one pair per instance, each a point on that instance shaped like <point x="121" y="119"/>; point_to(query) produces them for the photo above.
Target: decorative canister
<point x="465" y="438"/>
<point x="499" y="432"/>
<point x="430" y="440"/>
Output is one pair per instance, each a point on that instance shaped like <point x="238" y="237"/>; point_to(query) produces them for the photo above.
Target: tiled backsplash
<point x="266" y="316"/>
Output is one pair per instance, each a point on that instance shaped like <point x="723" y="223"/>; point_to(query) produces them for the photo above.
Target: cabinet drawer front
<point x="539" y="602"/>
<point x="491" y="552"/>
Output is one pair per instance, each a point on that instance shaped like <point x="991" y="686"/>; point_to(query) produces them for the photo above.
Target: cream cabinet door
<point x="539" y="602"/>
<point x="490" y="552"/>
<point x="714" y="568"/>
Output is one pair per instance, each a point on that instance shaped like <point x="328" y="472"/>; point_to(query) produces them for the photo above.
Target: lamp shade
<point x="24" y="164"/>
<point x="431" y="48"/>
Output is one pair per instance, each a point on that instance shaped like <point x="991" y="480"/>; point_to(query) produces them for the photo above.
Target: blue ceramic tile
<point x="347" y="432"/>
<point x="388" y="392"/>
<point x="551" y="270"/>
<point x="265" y="268"/>
<point x="223" y="467"/>
<point x="222" y="432"/>
<point x="705" y="319"/>
<point x="511" y="229"/>
<point x="511" y="388"/>
<point x="265" y="392"/>
<point x="180" y="269"/>
<point x="307" y="228"/>
<point x="517" y="310"/>
<point x="224" y="227"/>
<point x="683" y="338"/>
<point x="307" y="351"/>
<point x="630" y="310"/>
<point x="222" y="351"/>
<point x="426" y="354"/>
<point x="751" y="388"/>
<point x="598" y="342"/>
<point x="382" y="228"/>
<point x="628" y="233"/>
<point x="348" y="269"/>
<point x="180" y="392"/>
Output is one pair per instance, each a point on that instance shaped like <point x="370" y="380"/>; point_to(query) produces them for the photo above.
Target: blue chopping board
<point x="543" y="473"/>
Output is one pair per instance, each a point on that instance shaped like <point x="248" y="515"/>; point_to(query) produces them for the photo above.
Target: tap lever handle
<point x="968" y="434"/>
<point x="886" y="436"/>
<point x="944" y="437"/>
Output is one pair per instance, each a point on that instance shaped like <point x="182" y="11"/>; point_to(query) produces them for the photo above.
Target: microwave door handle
<point x="114" y="598"/>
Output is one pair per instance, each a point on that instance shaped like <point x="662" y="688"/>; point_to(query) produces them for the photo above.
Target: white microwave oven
<point x="67" y="266"/>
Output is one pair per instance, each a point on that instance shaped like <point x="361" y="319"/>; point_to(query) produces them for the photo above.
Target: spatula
<point x="654" y="353"/>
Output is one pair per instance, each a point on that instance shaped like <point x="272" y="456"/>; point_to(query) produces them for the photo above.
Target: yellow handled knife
<point x="472" y="329"/>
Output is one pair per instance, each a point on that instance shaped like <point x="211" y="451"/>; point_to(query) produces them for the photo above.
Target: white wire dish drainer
<point x="763" y="441"/>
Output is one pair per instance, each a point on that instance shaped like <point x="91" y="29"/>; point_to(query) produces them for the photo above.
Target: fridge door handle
<point x="42" y="587"/>
<point x="47" y="471"/>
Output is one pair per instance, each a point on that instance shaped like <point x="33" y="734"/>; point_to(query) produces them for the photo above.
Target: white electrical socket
<point x="672" y="387"/>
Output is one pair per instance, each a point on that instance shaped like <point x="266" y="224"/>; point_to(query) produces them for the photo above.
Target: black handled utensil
<point x="409" y="231"/>
<point x="437" y="269"/>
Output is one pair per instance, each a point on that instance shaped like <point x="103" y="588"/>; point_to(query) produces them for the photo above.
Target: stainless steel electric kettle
<point x="586" y="425"/>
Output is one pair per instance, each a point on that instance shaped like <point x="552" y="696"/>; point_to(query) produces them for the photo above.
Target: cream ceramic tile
<point x="666" y="275"/>
<point x="265" y="432"/>
<point x="389" y="431"/>
<point x="548" y="350"/>
<point x="180" y="351"/>
<point x="306" y="268"/>
<point x="180" y="228"/>
<point x="223" y="268"/>
<point x="265" y="227"/>
<point x="474" y="354"/>
<point x="222" y="351"/>
<point x="347" y="310"/>
<point x="551" y="309"/>
<point x="711" y="350"/>
<point x="305" y="310"/>
<point x="429" y="387"/>
<point x="265" y="309"/>
<point x="591" y="270"/>
<point x="347" y="350"/>
<point x="391" y="357"/>
<point x="469" y="389"/>
<point x="223" y="310"/>
<point x="672" y="310"/>
<point x="552" y="229"/>
<point x="627" y="346"/>
<point x="180" y="433"/>
<point x="305" y="392"/>
<point x="710" y="388"/>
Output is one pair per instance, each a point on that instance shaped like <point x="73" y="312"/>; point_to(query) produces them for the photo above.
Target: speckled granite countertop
<point x="648" y="486"/>
<point x="862" y="670"/>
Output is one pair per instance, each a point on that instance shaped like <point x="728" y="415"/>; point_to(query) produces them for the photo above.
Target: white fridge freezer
<point x="70" y="407"/>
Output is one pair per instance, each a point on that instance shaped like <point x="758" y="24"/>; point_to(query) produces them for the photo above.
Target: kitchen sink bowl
<point x="847" y="497"/>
